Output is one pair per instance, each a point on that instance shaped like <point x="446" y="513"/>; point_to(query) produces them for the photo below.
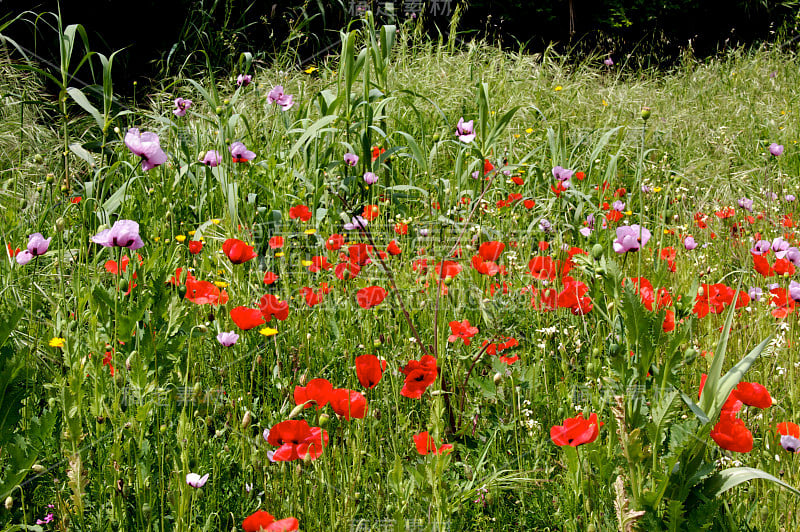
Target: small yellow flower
<point x="280" y="254"/>
<point x="516" y="135"/>
<point x="666" y="231"/>
<point x="529" y="130"/>
<point x="628" y="213"/>
<point x="558" y="88"/>
<point x="56" y="342"/>
<point x="656" y="189"/>
<point x="783" y="112"/>
<point x="605" y="103"/>
<point x="180" y="238"/>
<point x="310" y="70"/>
<point x="220" y="284"/>
<point x="157" y="238"/>
<point x="306" y="263"/>
<point x="216" y="221"/>
<point x="191" y="233"/>
<point x="310" y="231"/>
<point x="268" y="331"/>
<point x="220" y="272"/>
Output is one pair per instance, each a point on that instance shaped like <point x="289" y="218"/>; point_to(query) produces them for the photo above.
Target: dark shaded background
<point x="153" y="31"/>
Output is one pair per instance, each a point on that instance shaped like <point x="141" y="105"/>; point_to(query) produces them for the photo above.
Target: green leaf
<point x="721" y="482"/>
<point x="81" y="152"/>
<point x="81" y="99"/>
<point x="709" y="394"/>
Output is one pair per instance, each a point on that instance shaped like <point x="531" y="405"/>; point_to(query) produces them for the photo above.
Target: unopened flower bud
<point x="246" y="420"/>
<point x="38" y="468"/>
<point x="646" y="111"/>
<point x="61" y="224"/>
<point x="597" y="251"/>
<point x="323" y="420"/>
<point x="9" y="503"/>
<point x="498" y="378"/>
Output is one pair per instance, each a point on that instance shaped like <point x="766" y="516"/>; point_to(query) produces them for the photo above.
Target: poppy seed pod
<point x="646" y="111"/>
<point x="597" y="251"/>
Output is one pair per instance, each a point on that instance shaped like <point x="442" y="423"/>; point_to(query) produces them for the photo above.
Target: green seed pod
<point x="64" y="189"/>
<point x="597" y="251"/>
<point x="50" y="178"/>
<point x="61" y="224"/>
<point x="324" y="419"/>
<point x="646" y="112"/>
<point x="146" y="510"/>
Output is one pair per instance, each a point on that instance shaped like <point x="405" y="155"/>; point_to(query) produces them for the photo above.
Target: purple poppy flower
<point x="545" y="225"/>
<point x="773" y="286"/>
<point x="227" y="339"/>
<point x="146" y="146"/>
<point x="181" y="106"/>
<point x="350" y="159"/>
<point x="755" y="293"/>
<point x="618" y="206"/>
<point x="794" y="290"/>
<point x="465" y="131"/>
<point x="689" y="243"/>
<point x="124" y="234"/>
<point x="790" y="197"/>
<point x="424" y="232"/>
<point x="630" y="238"/>
<point x="370" y="178"/>
<point x="790" y="443"/>
<point x="776" y="149"/>
<point x="357" y="222"/>
<point x="562" y="174"/>
<point x="780" y="246"/>
<point x="277" y="96"/>
<point x="240" y="153"/>
<point x="47" y="519"/>
<point x="585" y="231"/>
<point x="212" y="158"/>
<point x="608" y="62"/>
<point x="37" y="244"/>
<point x="24" y="257"/>
<point x="195" y="480"/>
<point x="646" y="189"/>
<point x="761" y="247"/>
<point x="793" y="255"/>
<point x="746" y="204"/>
<point x="243" y="80"/>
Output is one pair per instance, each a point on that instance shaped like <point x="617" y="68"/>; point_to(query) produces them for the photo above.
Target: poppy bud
<point x="38" y="468"/>
<point x="181" y="292"/>
<point x="646" y="111"/>
<point x="436" y="137"/>
<point x="64" y="189"/>
<point x="323" y="420"/>
<point x="60" y="224"/>
<point x="498" y="378"/>
<point x="246" y="420"/>
<point x="50" y="178"/>
<point x="38" y="159"/>
<point x="146" y="509"/>
<point x="597" y="251"/>
<point x="377" y="342"/>
<point x="9" y="503"/>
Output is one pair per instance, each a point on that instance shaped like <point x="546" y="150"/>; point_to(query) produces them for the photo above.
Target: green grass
<point x="114" y="450"/>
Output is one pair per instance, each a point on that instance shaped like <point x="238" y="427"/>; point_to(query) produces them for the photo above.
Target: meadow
<point x="416" y="285"/>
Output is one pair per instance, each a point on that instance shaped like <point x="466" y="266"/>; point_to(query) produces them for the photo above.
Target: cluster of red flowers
<point x="730" y="432"/>
<point x="713" y="298"/>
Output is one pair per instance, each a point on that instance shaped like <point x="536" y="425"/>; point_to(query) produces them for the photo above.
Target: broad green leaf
<point x="80" y="98"/>
<point x="721" y="482"/>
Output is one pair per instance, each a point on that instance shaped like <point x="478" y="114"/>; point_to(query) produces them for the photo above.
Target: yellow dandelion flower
<point x="306" y="263"/>
<point x="220" y="272"/>
<point x="529" y="130"/>
<point x="666" y="231"/>
<point x="605" y="103"/>
<point x="310" y="70"/>
<point x="192" y="233"/>
<point x="783" y="112"/>
<point x="180" y="238"/>
<point x="628" y="213"/>
<point x="216" y="221"/>
<point x="280" y="254"/>
<point x="559" y="87"/>
<point x="656" y="189"/>
<point x="220" y="284"/>
<point x="157" y="238"/>
<point x="56" y="342"/>
<point x="516" y="135"/>
<point x="268" y="331"/>
<point x="310" y="231"/>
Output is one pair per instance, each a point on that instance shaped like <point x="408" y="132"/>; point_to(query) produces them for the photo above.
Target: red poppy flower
<point x="276" y="242"/>
<point x="376" y="152"/>
<point x="576" y="431"/>
<point x="76" y="200"/>
<point x="369" y="370"/>
<point x="111" y="265"/>
<point x="349" y="403"/>
<point x="447" y="268"/>
<point x="370" y="296"/>
<point x="491" y="251"/>
<point x="370" y="212"/>
<point x="401" y="228"/>
<point x="320" y="391"/>
<point x="203" y="292"/>
<point x="312" y="298"/>
<point x="195" y="247"/>
<point x="270" y="278"/>
<point x="272" y="306"/>
<point x="784" y="267"/>
<point x="497" y="348"/>
<point x="425" y="444"/>
<point x="358" y="254"/>
<point x="107" y="361"/>
<point x="753" y="394"/>
<point x="484" y="267"/>
<point x="300" y="211"/>
<point x="487" y="166"/>
<point x="517" y="180"/>
<point x="669" y="321"/>
<point x="11" y="251"/>
<point x="263" y="521"/>
<point x="346" y="271"/>
<point x="419" y="375"/>
<point x="668" y="254"/>
<point x="319" y="263"/>
<point x="393" y="248"/>
<point x="334" y="242"/>
<point x="573" y="298"/>
<point x="247" y="318"/>
<point x="787" y="428"/>
<point x="237" y="251"/>
<point x="295" y="440"/>
<point x="463" y="330"/>
<point x="732" y="434"/>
